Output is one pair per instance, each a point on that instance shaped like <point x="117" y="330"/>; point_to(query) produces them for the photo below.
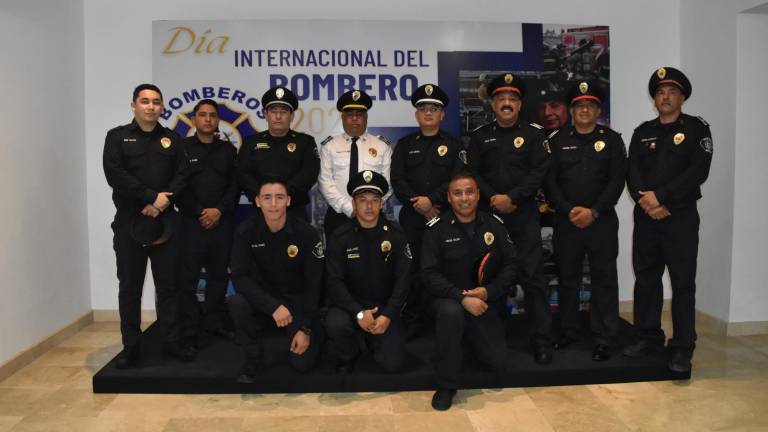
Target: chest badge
<point x="442" y="150"/>
<point x="293" y="250"/>
<point x="386" y="246"/>
<point x="165" y="142"/>
<point x="488" y="237"/>
<point x="599" y="146"/>
<point x="518" y="142"/>
<point x="372" y="151"/>
<point x="678" y="138"/>
<point x="291" y="147"/>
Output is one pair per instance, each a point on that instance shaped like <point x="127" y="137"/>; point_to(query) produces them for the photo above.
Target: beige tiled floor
<point x="729" y="391"/>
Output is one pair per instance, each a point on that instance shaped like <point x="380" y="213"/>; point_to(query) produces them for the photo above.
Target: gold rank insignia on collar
<point x="518" y="142"/>
<point x="599" y="146"/>
<point x="293" y="250"/>
<point x="291" y="147"/>
<point x="678" y="138"/>
<point x="442" y="150"/>
<point x="488" y="237"/>
<point x="165" y="142"/>
<point x="372" y="151"/>
<point x="386" y="246"/>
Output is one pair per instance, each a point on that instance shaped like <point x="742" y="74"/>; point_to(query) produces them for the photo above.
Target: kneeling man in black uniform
<point x="277" y="271"/>
<point x="368" y="270"/>
<point x="468" y="263"/>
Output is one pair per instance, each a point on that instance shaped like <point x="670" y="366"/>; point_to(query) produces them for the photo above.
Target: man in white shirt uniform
<point x="349" y="153"/>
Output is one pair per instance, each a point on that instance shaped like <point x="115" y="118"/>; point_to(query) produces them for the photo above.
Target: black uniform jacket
<point x="212" y="179"/>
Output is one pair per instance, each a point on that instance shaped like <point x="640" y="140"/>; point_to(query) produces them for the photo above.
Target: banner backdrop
<point x="235" y="62"/>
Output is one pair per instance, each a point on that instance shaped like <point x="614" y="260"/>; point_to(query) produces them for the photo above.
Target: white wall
<point x="708" y="54"/>
<point x="748" y="297"/>
<point x="43" y="239"/>
<point x="118" y="56"/>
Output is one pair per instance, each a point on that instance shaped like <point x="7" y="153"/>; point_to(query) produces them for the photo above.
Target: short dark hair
<point x="274" y="180"/>
<point x="146" y="86"/>
<point x="463" y="174"/>
<point x="210" y="102"/>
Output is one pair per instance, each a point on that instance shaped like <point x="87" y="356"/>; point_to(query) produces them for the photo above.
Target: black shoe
<point x="640" y="348"/>
<point x="563" y="341"/>
<point x="222" y="332"/>
<point x="252" y="368"/>
<point x="443" y="399"/>
<point x="602" y="352"/>
<point x="176" y="350"/>
<point x="190" y="343"/>
<point x="129" y="357"/>
<point x="542" y="355"/>
<point x="680" y="361"/>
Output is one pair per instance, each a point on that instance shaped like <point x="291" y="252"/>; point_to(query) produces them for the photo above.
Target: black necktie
<point x="353" y="159"/>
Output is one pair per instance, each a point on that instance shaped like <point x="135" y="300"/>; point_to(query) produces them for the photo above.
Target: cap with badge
<point x="149" y="231"/>
<point x="669" y="75"/>
<point x="506" y="82"/>
<point x="585" y="90"/>
<point x="280" y="96"/>
<point x="354" y="100"/>
<point x="367" y="181"/>
<point x="429" y="94"/>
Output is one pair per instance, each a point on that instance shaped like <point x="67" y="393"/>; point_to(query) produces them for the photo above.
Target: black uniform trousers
<point x="524" y="229"/>
<point x="388" y="348"/>
<point x="333" y="221"/>
<point x="209" y="248"/>
<point x="250" y="324"/>
<point x="485" y="334"/>
<point x="600" y="242"/>
<point x="414" y="226"/>
<point x="672" y="242"/>
<point x="131" y="260"/>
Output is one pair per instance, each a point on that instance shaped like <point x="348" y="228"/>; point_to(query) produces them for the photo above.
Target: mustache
<point x="508" y="107"/>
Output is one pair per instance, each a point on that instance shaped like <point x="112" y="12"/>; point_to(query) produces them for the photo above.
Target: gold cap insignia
<point x="679" y="137"/>
<point x="518" y="142"/>
<point x="293" y="250"/>
<point x="386" y="246"/>
<point x="355" y="95"/>
<point x="583" y="87"/>
<point x="428" y="90"/>
<point x="372" y="151"/>
<point x="488" y="237"/>
<point x="599" y="146"/>
<point x="661" y="73"/>
<point x="291" y="147"/>
<point x="279" y="93"/>
<point x="508" y="78"/>
<point x="442" y="150"/>
<point x="367" y="176"/>
<point x="165" y="142"/>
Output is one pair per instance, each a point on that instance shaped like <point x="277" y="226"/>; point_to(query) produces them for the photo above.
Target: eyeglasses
<point x="431" y="109"/>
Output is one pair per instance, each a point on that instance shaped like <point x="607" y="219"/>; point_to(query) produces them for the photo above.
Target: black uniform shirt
<point x="292" y="158"/>
<point x="212" y="180"/>
<point x="586" y="170"/>
<point x="140" y="164"/>
<point x="286" y="267"/>
<point x="369" y="268"/>
<point x="423" y="165"/>
<point x="511" y="160"/>
<point x="448" y="256"/>
<point x="672" y="160"/>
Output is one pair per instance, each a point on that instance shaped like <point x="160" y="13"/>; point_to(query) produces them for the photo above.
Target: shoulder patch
<point x="385" y="139"/>
<point x="325" y="141"/>
<point x="495" y="216"/>
<point x="318" y="251"/>
<point x="433" y="221"/>
<point x="704" y="122"/>
<point x="537" y="126"/>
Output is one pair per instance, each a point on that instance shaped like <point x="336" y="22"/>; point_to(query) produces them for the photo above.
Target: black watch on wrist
<point x="306" y="330"/>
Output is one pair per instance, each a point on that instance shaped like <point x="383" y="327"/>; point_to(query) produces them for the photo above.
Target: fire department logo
<point x="234" y="125"/>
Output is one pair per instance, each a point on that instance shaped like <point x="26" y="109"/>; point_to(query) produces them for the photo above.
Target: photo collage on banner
<point x="235" y="62"/>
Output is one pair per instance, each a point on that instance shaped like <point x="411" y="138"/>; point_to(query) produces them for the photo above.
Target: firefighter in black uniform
<point x="277" y="271"/>
<point x="368" y="277"/>
<point x="207" y="207"/>
<point x="280" y="152"/>
<point x="422" y="164"/>
<point x="585" y="179"/>
<point x="144" y="165"/>
<point x="669" y="159"/>
<point x="510" y="160"/>
<point x="464" y="305"/>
